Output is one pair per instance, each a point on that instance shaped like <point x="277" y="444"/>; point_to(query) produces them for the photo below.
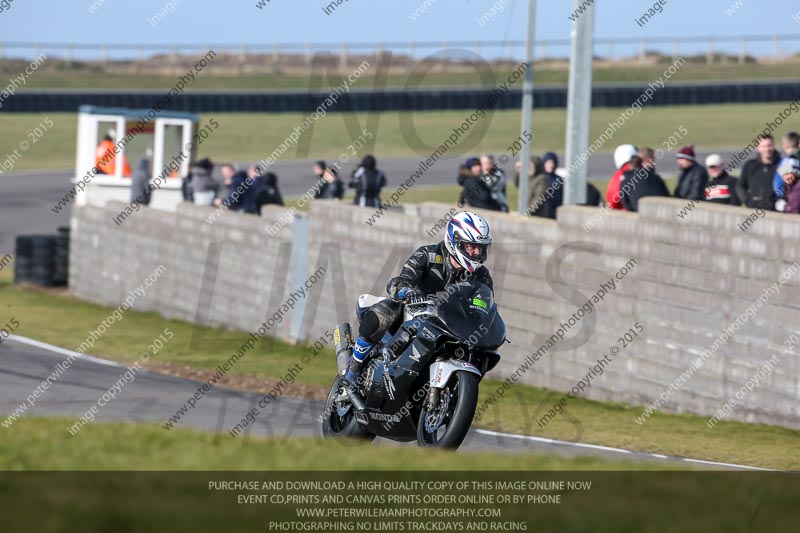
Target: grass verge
<point x="40" y="443"/>
<point x="65" y="321"/>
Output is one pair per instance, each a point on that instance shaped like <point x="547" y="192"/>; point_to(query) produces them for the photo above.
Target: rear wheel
<point x="338" y="419"/>
<point x="446" y="426"/>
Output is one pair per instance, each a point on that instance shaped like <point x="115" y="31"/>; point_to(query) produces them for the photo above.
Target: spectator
<point x="270" y="193"/>
<point x="537" y="185"/>
<point x="622" y="158"/>
<point x="204" y="186"/>
<point x="755" y="188"/>
<point x="140" y="192"/>
<point x="368" y="181"/>
<point x="474" y="192"/>
<point x="228" y="171"/>
<point x="693" y="177"/>
<point x="789" y="171"/>
<point x="495" y="180"/>
<point x="244" y="186"/>
<point x="722" y="186"/>
<point x="641" y="181"/>
<point x="791" y="146"/>
<point x="229" y="176"/>
<point x="553" y="195"/>
<point x="105" y="159"/>
<point x="328" y="185"/>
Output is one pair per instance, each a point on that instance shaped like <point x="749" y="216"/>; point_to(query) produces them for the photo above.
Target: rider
<point x="430" y="269"/>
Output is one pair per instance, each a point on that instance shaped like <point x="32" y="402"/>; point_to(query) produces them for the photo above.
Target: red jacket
<point x="613" y="198"/>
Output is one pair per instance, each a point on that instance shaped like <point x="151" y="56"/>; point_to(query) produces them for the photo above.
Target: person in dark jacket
<point x="755" y="187"/>
<point x="204" y="186"/>
<point x="474" y="192"/>
<point x="693" y="178"/>
<point x="641" y="180"/>
<point x="140" y="180"/>
<point x="243" y="189"/>
<point x="270" y="193"/>
<point x="368" y="181"/>
<point x="328" y="185"/>
<point x="789" y="171"/>
<point x="722" y="186"/>
<point x="553" y="195"/>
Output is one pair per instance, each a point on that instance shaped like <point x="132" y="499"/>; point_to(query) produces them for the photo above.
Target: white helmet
<point x="467" y="228"/>
<point x="623" y="154"/>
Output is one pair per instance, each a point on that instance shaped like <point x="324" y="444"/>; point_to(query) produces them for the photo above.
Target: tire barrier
<point x="42" y="259"/>
<point x="603" y="95"/>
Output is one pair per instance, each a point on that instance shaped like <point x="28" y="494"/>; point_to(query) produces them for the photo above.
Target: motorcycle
<point x="421" y="382"/>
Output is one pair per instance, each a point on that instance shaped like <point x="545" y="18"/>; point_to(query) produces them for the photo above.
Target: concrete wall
<point x="692" y="278"/>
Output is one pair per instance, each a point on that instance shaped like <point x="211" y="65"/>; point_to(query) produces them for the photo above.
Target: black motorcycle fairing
<point x="468" y="312"/>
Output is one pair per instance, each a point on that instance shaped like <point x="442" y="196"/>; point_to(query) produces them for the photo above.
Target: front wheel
<point x="338" y="419"/>
<point x="447" y="425"/>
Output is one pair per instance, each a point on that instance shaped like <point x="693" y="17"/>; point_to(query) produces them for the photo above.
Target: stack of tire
<point x="42" y="259"/>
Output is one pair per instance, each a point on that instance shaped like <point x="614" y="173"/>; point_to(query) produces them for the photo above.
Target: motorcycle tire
<point x="335" y="426"/>
<point x="464" y="386"/>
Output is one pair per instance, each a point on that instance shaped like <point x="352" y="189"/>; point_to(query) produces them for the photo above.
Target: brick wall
<point x="691" y="279"/>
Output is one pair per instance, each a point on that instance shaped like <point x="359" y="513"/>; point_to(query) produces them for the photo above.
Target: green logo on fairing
<point x="480" y="303"/>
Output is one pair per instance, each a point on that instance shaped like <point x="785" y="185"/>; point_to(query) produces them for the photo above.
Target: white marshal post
<point x="527" y="107"/>
<point x="579" y="102"/>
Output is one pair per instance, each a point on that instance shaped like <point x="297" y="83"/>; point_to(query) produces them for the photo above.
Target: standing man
<point x="693" y="177"/>
<point x="642" y="181"/>
<point x="722" y="187"/>
<point x="368" y="181"/>
<point x="755" y="187"/>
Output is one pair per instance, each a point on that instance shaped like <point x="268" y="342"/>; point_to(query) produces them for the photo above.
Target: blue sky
<point x="366" y="21"/>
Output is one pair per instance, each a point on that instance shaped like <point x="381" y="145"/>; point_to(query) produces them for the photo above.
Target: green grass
<point x="254" y="136"/>
<point x="208" y="79"/>
<point x="43" y="443"/>
<point x="66" y="321"/>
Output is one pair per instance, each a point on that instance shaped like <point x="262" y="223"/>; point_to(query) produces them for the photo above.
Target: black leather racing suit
<point x="428" y="270"/>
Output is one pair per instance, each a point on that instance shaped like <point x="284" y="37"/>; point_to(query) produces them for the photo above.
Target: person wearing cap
<point x="722" y="186"/>
<point x="789" y="171"/>
<point x="791" y="148"/>
<point x="622" y="158"/>
<point x="693" y="177"/>
<point x="755" y="187"/>
<point x="641" y="181"/>
<point x="474" y="192"/>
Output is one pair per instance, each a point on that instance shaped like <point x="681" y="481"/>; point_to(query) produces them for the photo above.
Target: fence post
<point x="710" y="53"/>
<point x="276" y="59"/>
<point x="741" y="51"/>
<point x="776" y="48"/>
<point x="343" y="57"/>
<point x="298" y="272"/>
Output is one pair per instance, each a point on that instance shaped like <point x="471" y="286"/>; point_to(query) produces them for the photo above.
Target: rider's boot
<point x="361" y="351"/>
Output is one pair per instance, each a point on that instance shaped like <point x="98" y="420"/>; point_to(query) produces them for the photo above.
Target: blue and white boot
<point x="361" y="351"/>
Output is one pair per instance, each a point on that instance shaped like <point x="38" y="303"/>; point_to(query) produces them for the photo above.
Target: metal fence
<point x="271" y="57"/>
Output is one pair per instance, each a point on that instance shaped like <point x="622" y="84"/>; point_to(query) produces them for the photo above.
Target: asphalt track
<point x="27" y="198"/>
<point x="25" y="363"/>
